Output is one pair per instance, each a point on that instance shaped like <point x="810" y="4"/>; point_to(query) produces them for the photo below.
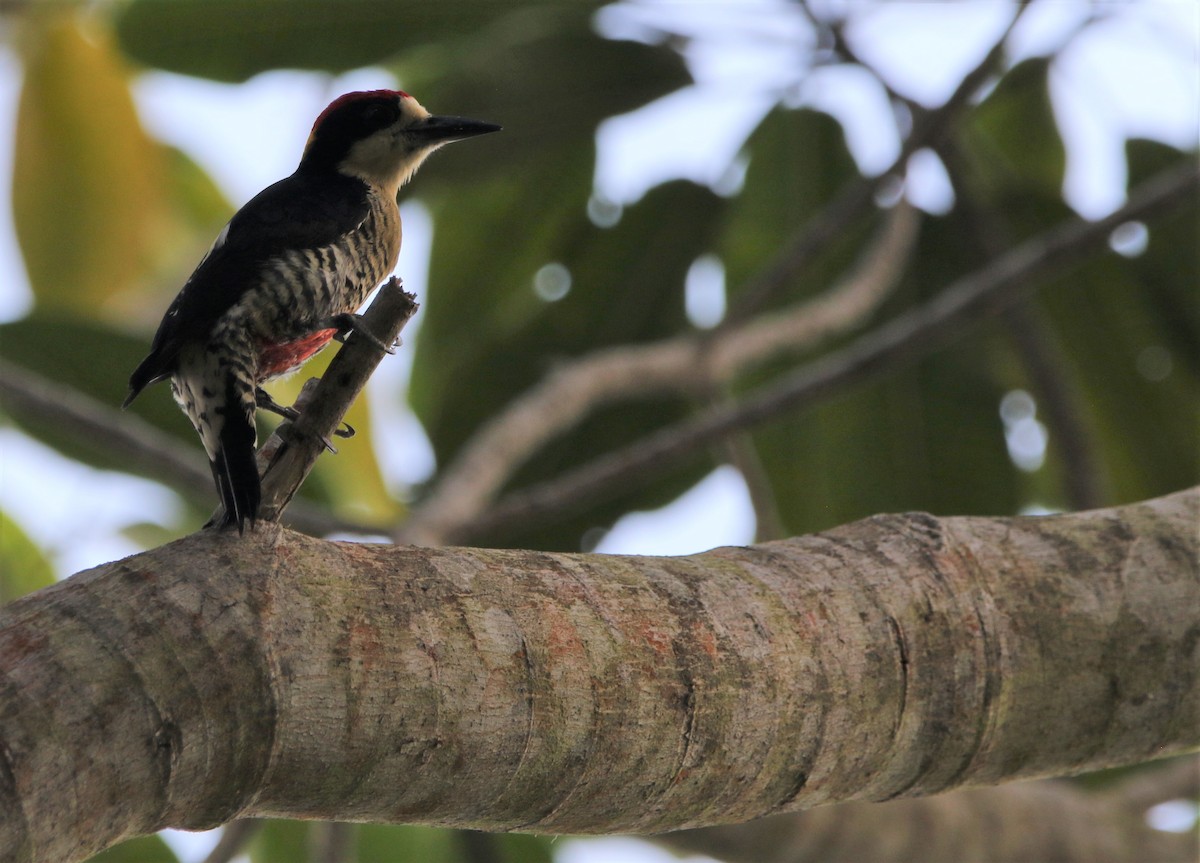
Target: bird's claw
<point x="347" y="431"/>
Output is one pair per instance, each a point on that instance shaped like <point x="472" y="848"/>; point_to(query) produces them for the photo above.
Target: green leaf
<point x="23" y="567"/>
<point x="149" y="535"/>
<point x="378" y="843"/>
<point x="288" y="841"/>
<point x="798" y="164"/>
<point x="546" y="77"/>
<point x="1131" y="327"/>
<point x="143" y="849"/>
<point x="97" y="364"/>
<point x="280" y="841"/>
<point x="232" y="40"/>
<point x="93" y="360"/>
<point x="481" y="295"/>
<point x="139" y="213"/>
<point x="1013" y="139"/>
<point x="197" y="211"/>
<point x="926" y="436"/>
<point x="1170" y="278"/>
<point x="524" y="848"/>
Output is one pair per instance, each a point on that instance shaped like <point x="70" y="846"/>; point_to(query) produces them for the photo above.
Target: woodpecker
<point x="287" y="274"/>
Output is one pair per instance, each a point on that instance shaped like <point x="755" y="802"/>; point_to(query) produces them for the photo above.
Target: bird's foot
<point x="264" y="400"/>
<point x="348" y="323"/>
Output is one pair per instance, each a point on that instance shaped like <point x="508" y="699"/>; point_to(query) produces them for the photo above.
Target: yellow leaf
<point x="89" y="199"/>
<point x="23" y="566"/>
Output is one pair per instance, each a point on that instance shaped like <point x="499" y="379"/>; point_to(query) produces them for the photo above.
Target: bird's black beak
<point x="443" y="130"/>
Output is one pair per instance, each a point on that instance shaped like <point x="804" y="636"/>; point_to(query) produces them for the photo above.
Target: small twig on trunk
<point x="304" y="439"/>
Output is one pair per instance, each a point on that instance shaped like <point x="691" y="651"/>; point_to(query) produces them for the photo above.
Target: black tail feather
<point x="151" y="370"/>
<point x="240" y="493"/>
<point x="235" y="468"/>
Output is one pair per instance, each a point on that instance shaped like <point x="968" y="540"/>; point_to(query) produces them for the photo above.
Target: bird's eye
<point x="377" y="114"/>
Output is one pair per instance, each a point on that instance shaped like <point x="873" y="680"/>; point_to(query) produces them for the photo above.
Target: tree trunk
<point x="279" y="675"/>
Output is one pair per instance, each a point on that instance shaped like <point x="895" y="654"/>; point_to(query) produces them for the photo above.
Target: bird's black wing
<point x="299" y="212"/>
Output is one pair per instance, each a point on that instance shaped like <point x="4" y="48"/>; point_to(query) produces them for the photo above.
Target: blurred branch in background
<point x="139" y="446"/>
<point x="1021" y="821"/>
<point x="687" y="364"/>
<point x="234" y="837"/>
<point x="915" y="333"/>
<point x="331" y="842"/>
<point x="1178" y="779"/>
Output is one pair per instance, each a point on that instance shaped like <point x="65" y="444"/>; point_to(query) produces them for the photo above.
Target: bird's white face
<point x="389" y="157"/>
<point x="381" y="137"/>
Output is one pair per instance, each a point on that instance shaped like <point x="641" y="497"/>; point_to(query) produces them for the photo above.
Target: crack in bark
<point x="793" y="791"/>
<point x="991" y="671"/>
<point x="689" y="718"/>
<point x="902" y="652"/>
<point x="527" y="664"/>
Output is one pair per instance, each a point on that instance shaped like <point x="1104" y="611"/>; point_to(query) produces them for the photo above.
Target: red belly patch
<point x="278" y="359"/>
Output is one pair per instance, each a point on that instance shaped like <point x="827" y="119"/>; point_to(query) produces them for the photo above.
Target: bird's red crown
<point x="356" y="97"/>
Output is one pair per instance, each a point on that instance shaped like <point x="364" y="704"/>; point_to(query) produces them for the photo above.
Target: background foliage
<point x="110" y="221"/>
